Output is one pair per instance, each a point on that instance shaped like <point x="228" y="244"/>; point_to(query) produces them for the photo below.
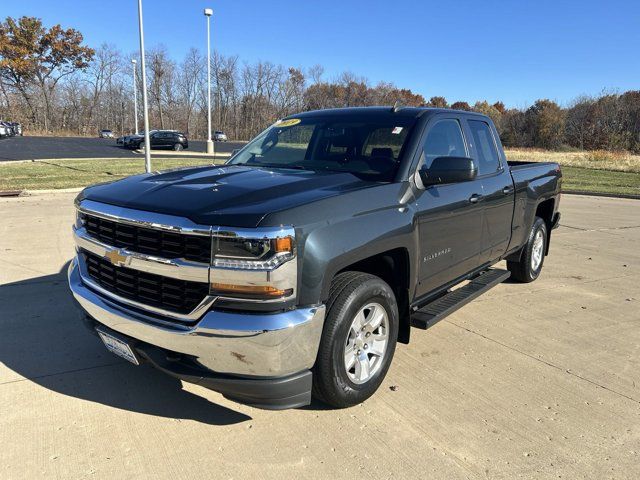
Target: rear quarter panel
<point x="534" y="183"/>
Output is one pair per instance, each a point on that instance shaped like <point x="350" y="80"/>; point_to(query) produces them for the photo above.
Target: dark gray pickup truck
<point x="295" y="268"/>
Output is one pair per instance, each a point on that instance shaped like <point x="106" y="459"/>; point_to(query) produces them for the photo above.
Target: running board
<point x="435" y="311"/>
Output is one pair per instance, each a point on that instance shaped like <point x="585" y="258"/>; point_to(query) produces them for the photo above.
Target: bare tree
<point x="188" y="84"/>
<point x="161" y="76"/>
<point x="100" y="75"/>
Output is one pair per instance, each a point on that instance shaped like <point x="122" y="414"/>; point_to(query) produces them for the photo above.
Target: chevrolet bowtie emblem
<point x="116" y="258"/>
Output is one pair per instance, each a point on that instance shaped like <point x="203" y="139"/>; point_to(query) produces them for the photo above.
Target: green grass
<point x="57" y="174"/>
<point x="600" y="181"/>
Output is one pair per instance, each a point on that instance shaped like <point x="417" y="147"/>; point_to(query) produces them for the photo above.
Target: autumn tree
<point x="438" y="102"/>
<point x="34" y="59"/>
<point x="514" y="129"/>
<point x="578" y="122"/>
<point x="461" y="106"/>
<point x="499" y="106"/>
<point x="546" y="121"/>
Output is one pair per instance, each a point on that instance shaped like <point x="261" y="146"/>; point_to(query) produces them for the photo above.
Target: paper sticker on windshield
<point x="396" y="130"/>
<point x="287" y="123"/>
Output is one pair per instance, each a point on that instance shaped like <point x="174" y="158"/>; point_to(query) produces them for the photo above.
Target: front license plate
<point x="117" y="346"/>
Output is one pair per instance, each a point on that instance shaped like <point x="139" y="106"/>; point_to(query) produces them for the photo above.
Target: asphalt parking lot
<point x="529" y="381"/>
<point x="40" y="148"/>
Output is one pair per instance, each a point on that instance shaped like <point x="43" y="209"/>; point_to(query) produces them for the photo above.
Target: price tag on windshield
<point x="396" y="130"/>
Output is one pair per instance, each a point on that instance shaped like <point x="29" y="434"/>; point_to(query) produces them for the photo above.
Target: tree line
<point x="52" y="82"/>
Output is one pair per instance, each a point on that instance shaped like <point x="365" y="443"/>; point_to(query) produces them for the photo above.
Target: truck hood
<point x="234" y="196"/>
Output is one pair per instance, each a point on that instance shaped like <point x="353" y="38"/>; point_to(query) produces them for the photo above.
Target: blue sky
<point x="514" y="51"/>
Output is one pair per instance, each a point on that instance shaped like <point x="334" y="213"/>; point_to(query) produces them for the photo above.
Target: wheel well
<point x="545" y="212"/>
<point x="391" y="266"/>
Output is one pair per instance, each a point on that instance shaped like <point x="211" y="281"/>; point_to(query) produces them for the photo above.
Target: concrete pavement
<point x="532" y="381"/>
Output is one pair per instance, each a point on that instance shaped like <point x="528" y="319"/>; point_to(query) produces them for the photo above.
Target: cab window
<point x="488" y="161"/>
<point x="444" y="140"/>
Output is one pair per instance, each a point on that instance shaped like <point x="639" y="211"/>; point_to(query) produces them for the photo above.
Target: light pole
<point x="207" y="13"/>
<point x="147" y="143"/>
<point x="135" y="96"/>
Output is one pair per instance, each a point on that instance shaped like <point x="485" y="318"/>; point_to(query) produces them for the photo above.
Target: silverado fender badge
<point x="116" y="258"/>
<point x="434" y="255"/>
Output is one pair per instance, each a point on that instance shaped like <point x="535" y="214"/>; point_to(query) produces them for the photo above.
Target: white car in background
<point x="219" y="136"/>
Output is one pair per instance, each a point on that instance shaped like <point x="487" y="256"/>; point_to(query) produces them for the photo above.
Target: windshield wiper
<point x="274" y="165"/>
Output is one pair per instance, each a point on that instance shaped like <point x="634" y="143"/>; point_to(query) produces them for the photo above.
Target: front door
<point x="449" y="216"/>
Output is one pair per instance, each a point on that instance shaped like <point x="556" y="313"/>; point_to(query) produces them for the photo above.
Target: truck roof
<point x="381" y="112"/>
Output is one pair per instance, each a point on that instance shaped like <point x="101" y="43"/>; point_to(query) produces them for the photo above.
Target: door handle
<point x="507" y="190"/>
<point x="474" y="198"/>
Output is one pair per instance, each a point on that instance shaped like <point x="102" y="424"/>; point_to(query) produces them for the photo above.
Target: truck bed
<point x="534" y="183"/>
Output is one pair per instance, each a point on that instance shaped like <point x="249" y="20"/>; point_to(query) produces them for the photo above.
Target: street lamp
<point x="147" y="143"/>
<point x="135" y="95"/>
<point x="207" y="13"/>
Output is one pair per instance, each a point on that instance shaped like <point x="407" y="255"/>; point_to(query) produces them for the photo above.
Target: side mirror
<point x="448" y="170"/>
<point x="234" y="151"/>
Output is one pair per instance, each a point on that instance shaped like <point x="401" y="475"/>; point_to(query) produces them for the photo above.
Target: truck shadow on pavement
<point x="43" y="340"/>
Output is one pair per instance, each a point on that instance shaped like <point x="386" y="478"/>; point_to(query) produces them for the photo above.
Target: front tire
<point x="529" y="266"/>
<point x="358" y="340"/>
<point x="177" y="147"/>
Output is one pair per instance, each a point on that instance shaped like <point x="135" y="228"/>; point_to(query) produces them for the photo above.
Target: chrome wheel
<point x="366" y="343"/>
<point x="537" y="251"/>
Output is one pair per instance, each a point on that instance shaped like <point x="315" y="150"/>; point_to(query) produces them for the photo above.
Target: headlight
<point x="252" y="253"/>
<point x="254" y="264"/>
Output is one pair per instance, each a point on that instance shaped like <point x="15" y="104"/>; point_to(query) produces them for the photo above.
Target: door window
<point x="487" y="154"/>
<point x="444" y="140"/>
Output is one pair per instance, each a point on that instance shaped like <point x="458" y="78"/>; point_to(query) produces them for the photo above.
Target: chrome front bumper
<point x="245" y="344"/>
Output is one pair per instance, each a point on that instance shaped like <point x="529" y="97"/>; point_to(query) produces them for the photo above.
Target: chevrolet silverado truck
<point x="294" y="269"/>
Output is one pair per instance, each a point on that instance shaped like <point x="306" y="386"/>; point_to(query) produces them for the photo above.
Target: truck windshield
<point x="368" y="148"/>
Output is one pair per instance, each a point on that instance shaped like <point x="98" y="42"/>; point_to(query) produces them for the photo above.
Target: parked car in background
<point x="4" y="132"/>
<point x="219" y="136"/>
<point x="106" y="134"/>
<point x="8" y="129"/>
<point x="17" y="128"/>
<point x="125" y="140"/>
<point x="162" y="139"/>
<point x="131" y="141"/>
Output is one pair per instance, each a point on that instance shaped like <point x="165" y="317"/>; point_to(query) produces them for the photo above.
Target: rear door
<point x="497" y="189"/>
<point x="449" y="216"/>
<point x="156" y="140"/>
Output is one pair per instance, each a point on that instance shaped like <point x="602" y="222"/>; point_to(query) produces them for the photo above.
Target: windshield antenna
<point x="396" y="106"/>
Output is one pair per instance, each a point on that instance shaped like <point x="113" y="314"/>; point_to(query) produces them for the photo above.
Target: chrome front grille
<point x="169" y="294"/>
<point x="144" y="260"/>
<point x="149" y="241"/>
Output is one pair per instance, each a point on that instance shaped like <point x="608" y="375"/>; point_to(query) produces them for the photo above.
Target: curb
<point x="53" y="190"/>
<point x="628" y="196"/>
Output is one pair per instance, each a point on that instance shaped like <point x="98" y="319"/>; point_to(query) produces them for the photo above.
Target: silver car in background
<point x="219" y="136"/>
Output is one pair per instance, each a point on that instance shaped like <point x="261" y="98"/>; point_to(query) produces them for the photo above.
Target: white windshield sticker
<point x="396" y="130"/>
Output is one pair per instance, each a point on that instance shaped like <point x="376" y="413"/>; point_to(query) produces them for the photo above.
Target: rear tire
<point x="529" y="266"/>
<point x="358" y="340"/>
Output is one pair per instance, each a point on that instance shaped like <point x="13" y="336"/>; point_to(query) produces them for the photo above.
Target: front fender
<point x="332" y="247"/>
